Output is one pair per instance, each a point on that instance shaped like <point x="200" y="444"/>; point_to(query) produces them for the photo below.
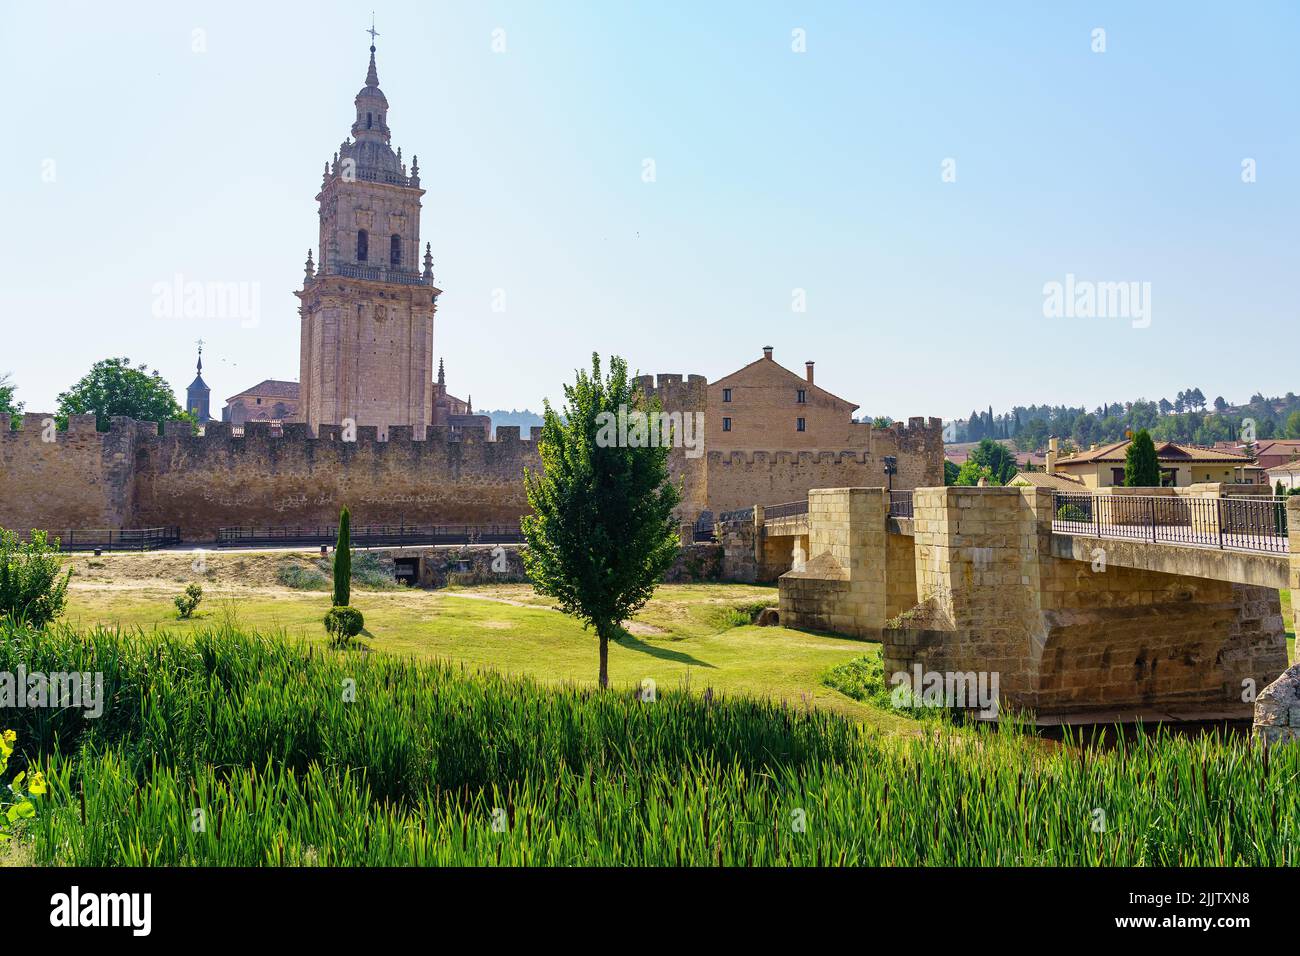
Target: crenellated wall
<point x="739" y="479"/>
<point x="80" y="479"/>
<point x="130" y="476"/>
<point x="688" y="397"/>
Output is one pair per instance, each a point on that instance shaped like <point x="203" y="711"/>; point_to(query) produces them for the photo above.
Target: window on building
<point x="726" y="394"/>
<point x="1117" y="476"/>
<point x="395" y="250"/>
<point x="363" y="245"/>
<point x="801" y="425"/>
<point x="1168" y="477"/>
<point x="369" y="122"/>
<point x="726" y="424"/>
<point x="803" y="398"/>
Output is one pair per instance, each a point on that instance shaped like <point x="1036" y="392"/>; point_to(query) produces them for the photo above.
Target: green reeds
<point x="299" y="758"/>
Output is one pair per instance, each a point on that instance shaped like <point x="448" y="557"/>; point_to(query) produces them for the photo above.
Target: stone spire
<point x="372" y="75"/>
<point x="442" y="376"/>
<point x="428" y="263"/>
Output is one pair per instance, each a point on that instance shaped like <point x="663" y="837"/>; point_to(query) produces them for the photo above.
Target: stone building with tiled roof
<point x="1102" y="466"/>
<point x="270" y="400"/>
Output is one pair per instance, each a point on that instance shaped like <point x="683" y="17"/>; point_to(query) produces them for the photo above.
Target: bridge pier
<point x="841" y="586"/>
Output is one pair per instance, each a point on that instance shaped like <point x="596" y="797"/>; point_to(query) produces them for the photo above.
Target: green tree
<point x="1141" y="467"/>
<point x="950" y="472"/>
<point x="1032" y="436"/>
<point x="602" y="531"/>
<point x="971" y="472"/>
<point x="1293" y="425"/>
<point x="114" y="387"/>
<point x="7" y="404"/>
<point x="997" y="458"/>
<point x="343" y="561"/>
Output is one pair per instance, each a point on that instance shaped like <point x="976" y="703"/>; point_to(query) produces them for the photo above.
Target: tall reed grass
<point x="432" y="764"/>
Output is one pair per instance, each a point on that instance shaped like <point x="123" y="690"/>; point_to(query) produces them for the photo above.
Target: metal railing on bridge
<point x="370" y="536"/>
<point x="900" y="504"/>
<point x="789" y="509"/>
<point x="1248" y="523"/>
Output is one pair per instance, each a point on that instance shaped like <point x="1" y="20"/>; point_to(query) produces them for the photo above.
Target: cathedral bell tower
<point x="366" y="306"/>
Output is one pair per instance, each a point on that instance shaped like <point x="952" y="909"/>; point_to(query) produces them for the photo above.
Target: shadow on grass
<point x="633" y="643"/>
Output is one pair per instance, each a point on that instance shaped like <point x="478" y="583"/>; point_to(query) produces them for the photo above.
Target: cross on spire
<point x="372" y="31"/>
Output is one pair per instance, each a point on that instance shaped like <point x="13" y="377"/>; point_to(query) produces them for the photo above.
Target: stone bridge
<point x="1087" y="609"/>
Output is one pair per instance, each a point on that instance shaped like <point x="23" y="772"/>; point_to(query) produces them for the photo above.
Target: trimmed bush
<point x="343" y="624"/>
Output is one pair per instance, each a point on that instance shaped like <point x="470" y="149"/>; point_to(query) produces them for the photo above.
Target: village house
<point x="1102" y="466"/>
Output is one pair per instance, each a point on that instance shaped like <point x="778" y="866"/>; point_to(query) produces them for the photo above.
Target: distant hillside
<point x="1189" y="418"/>
<point x="525" y="419"/>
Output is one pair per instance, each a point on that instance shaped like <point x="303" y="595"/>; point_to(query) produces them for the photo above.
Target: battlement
<point x="257" y="475"/>
<point x="673" y="393"/>
<point x="36" y="424"/>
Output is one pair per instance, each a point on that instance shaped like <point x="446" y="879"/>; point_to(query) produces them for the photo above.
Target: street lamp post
<point x="891" y="469"/>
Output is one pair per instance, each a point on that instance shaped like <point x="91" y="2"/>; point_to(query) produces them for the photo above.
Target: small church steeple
<point x="198" y="395"/>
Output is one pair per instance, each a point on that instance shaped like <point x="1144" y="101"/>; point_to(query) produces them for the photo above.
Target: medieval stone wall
<point x="738" y="479"/>
<point x="81" y="479"/>
<point x="132" y="477"/>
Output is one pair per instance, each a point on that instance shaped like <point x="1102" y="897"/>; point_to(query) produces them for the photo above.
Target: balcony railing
<point x="1248" y="523"/>
<point x="352" y="270"/>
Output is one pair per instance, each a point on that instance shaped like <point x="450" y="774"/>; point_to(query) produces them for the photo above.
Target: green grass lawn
<point x="685" y="637"/>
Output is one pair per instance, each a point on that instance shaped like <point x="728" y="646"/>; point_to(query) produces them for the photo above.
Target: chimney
<point x="767" y="351"/>
<point x="1052" y="449"/>
<point x="808" y="366"/>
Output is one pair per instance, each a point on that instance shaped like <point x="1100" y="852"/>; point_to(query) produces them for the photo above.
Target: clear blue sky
<point x="775" y="171"/>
